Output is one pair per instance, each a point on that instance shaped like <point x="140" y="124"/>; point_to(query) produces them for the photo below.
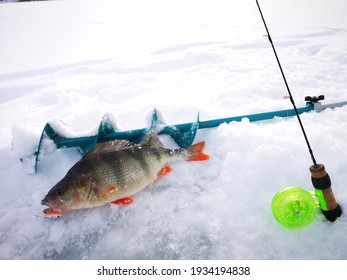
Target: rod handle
<point x="322" y="184"/>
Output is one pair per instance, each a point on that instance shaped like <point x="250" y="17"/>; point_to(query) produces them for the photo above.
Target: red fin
<point x="107" y="191"/>
<point x="196" y="152"/>
<point x="165" y="169"/>
<point x="123" y="201"/>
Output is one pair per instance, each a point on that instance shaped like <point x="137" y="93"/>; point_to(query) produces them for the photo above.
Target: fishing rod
<point x="319" y="177"/>
<point x="288" y="89"/>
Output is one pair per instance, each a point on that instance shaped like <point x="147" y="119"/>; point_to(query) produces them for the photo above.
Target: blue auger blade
<point x="157" y="121"/>
<point x="61" y="141"/>
<point x="183" y="134"/>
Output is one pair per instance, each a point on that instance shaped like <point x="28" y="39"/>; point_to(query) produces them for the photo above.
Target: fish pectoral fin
<point x="123" y="201"/>
<point x="104" y="192"/>
<point x="165" y="170"/>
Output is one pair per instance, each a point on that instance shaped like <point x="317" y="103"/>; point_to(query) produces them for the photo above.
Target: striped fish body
<point x="113" y="171"/>
<point x="125" y="172"/>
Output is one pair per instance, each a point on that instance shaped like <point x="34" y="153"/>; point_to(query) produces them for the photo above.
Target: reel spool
<point x="294" y="207"/>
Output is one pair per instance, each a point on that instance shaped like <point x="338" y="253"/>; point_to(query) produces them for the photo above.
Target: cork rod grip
<point x="322" y="184"/>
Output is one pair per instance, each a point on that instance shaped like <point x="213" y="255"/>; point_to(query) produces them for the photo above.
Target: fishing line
<point x="288" y="89"/>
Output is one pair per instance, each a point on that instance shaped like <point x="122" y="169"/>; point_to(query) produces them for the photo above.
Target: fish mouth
<point x="51" y="210"/>
<point x="50" y="204"/>
<point x="51" y="213"/>
<point x="48" y="211"/>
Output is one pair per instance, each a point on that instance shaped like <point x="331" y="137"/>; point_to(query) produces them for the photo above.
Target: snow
<point x="76" y="65"/>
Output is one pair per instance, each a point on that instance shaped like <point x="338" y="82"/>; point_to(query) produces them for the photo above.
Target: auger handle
<point x="326" y="199"/>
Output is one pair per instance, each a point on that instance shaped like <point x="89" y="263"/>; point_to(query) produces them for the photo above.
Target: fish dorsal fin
<point x="151" y="139"/>
<point x="109" y="146"/>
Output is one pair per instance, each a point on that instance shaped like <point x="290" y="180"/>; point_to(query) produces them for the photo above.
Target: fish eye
<point x="59" y="192"/>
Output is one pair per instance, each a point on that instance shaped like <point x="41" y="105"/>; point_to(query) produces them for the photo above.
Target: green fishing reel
<point x="294" y="207"/>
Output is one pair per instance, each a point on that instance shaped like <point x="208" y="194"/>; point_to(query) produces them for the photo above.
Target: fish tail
<point x="195" y="152"/>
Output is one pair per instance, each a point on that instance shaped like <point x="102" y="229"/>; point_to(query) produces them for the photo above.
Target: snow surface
<point x="76" y="61"/>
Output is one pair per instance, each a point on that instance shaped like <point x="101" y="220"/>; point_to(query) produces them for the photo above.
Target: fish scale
<point x="114" y="171"/>
<point x="125" y="168"/>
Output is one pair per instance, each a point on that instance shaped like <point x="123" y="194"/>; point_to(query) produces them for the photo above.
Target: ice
<point x="75" y="66"/>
